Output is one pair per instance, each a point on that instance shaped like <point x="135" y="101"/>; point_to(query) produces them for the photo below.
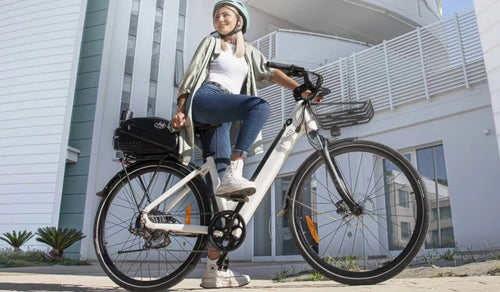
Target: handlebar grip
<point x="287" y="68"/>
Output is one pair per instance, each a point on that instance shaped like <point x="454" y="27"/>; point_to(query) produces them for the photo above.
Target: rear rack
<point x="336" y="115"/>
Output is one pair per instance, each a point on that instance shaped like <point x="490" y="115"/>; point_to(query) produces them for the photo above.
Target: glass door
<point x="284" y="245"/>
<point x="272" y="236"/>
<point x="262" y="220"/>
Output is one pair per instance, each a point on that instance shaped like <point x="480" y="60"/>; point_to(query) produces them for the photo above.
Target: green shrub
<point x="59" y="239"/>
<point x="316" y="276"/>
<point x="16" y="240"/>
<point x="13" y="259"/>
<point x="281" y="276"/>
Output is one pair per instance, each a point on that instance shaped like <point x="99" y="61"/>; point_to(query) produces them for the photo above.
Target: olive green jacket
<point x="259" y="75"/>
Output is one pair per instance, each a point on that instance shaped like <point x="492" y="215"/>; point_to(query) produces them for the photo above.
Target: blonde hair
<point x="240" y="41"/>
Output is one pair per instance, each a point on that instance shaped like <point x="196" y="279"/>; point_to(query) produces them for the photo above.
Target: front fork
<point x="321" y="145"/>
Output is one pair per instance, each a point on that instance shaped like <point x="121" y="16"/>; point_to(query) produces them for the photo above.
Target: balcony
<point x="419" y="65"/>
<point x="370" y="21"/>
<point x="310" y="50"/>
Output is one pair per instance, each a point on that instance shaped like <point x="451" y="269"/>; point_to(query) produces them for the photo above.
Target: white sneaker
<point x="233" y="182"/>
<point x="213" y="278"/>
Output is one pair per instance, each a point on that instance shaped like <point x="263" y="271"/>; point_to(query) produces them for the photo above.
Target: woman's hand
<point x="179" y="120"/>
<point x="317" y="98"/>
<point x="282" y="79"/>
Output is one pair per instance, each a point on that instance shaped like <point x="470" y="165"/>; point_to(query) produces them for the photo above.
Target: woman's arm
<point x="192" y="72"/>
<point x="282" y="79"/>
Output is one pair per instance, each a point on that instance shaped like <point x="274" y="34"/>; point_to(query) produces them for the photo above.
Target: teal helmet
<point x="240" y="6"/>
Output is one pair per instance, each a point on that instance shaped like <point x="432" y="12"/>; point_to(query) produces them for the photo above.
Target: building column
<point x="488" y="21"/>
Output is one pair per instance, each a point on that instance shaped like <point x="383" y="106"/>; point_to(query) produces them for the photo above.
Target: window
<point x="430" y="163"/>
<point x="405" y="230"/>
<point x="155" y="59"/>
<point x="262" y="238"/>
<point x="404" y="198"/>
<point x="401" y="207"/>
<point x="444" y="213"/>
<point x="272" y="235"/>
<point x="432" y="167"/>
<point x="129" y="61"/>
<point x="179" y="53"/>
<point x="283" y="235"/>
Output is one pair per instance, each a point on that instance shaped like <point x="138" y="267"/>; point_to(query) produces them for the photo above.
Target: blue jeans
<point x="213" y="105"/>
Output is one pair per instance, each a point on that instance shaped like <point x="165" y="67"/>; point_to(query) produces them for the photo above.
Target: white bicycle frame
<point x="298" y="123"/>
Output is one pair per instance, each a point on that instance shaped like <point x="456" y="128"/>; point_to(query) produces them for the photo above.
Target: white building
<point x="67" y="68"/>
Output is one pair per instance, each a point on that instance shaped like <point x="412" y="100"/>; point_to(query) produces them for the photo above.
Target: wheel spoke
<point x="358" y="248"/>
<point x="138" y="257"/>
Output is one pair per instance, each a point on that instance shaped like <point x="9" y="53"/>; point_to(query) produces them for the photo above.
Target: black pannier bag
<point x="145" y="136"/>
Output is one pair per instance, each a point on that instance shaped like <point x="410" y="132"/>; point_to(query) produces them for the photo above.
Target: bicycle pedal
<point x="236" y="198"/>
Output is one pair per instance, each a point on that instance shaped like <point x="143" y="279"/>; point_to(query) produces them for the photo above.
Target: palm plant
<point x="16" y="240"/>
<point x="59" y="239"/>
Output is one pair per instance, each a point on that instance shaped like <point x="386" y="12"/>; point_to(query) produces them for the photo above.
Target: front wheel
<point x="365" y="248"/>
<point x="134" y="256"/>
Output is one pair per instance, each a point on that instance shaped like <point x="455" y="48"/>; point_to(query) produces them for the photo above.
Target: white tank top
<point x="228" y="70"/>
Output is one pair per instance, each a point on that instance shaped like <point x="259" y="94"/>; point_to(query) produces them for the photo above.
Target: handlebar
<point x="288" y="69"/>
<point x="296" y="71"/>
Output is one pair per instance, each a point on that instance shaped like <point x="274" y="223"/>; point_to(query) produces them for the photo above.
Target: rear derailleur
<point x="153" y="239"/>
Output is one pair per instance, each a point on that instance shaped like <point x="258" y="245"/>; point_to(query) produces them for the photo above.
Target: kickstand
<point x="223" y="262"/>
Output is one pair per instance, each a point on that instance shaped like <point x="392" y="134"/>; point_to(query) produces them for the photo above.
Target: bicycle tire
<point x="372" y="247"/>
<point x="139" y="259"/>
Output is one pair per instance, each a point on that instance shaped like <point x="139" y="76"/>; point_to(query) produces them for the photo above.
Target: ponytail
<point x="240" y="45"/>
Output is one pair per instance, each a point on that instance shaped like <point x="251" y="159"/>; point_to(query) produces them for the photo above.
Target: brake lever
<point x="321" y="93"/>
<point x="324" y="91"/>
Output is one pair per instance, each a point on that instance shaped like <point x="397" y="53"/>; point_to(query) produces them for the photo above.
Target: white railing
<point x="419" y="65"/>
<point x="267" y="45"/>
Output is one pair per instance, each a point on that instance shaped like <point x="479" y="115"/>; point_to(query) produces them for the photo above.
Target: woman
<point x="220" y="87"/>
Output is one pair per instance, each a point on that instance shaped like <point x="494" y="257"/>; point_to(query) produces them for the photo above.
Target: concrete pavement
<point x="91" y="278"/>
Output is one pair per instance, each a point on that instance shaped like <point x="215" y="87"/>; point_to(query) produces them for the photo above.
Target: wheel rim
<point x="139" y="257"/>
<point x="384" y="237"/>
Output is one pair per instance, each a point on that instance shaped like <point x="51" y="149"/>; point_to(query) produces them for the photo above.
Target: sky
<point x="452" y="6"/>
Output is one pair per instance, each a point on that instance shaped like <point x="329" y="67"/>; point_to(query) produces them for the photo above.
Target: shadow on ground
<point x="49" y="287"/>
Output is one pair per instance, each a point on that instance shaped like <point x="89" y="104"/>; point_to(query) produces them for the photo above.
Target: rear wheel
<point x="366" y="248"/>
<point x="138" y="258"/>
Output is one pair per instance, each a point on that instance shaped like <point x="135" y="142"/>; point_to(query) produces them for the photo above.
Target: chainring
<point x="227" y="231"/>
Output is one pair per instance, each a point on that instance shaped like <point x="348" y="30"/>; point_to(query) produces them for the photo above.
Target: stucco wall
<point x="489" y="29"/>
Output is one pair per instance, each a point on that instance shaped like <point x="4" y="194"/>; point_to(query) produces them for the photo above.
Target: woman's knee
<point x="263" y="107"/>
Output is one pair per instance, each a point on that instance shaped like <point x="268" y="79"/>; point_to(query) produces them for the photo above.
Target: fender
<point x="287" y="198"/>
